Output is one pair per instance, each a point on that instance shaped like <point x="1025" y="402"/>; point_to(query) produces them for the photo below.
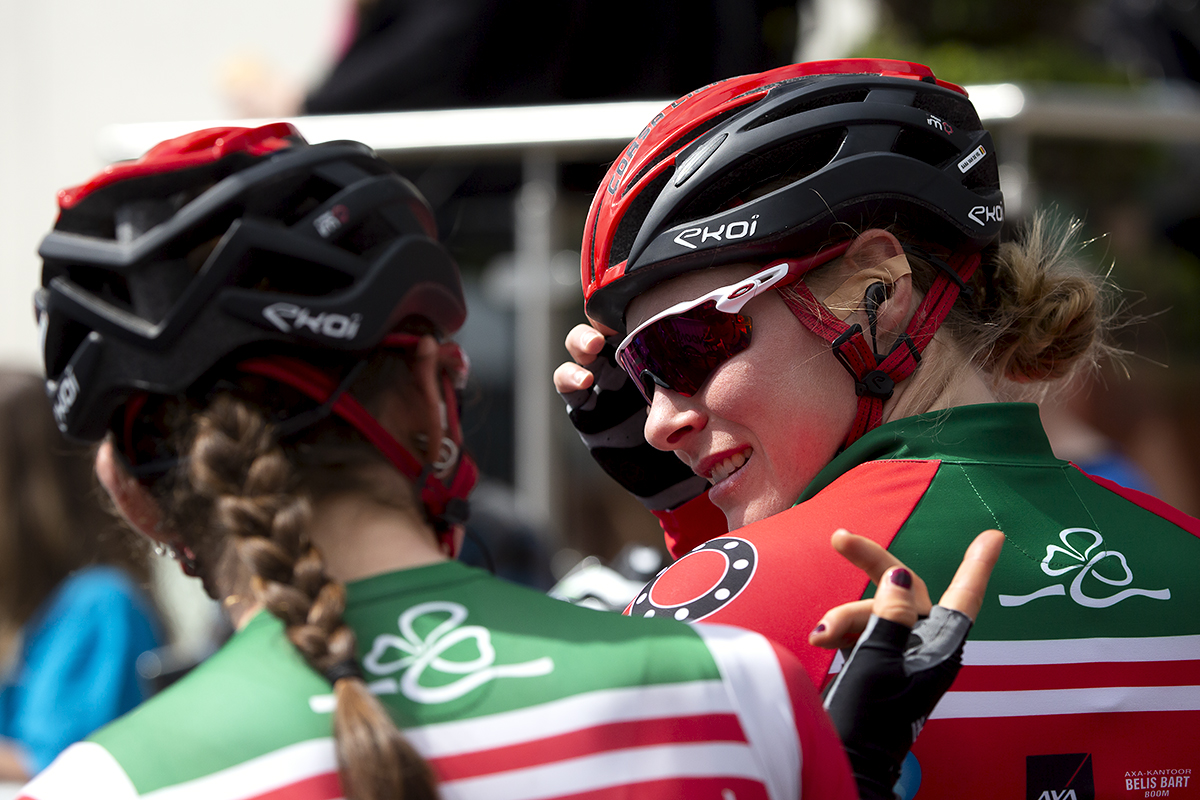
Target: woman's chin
<point x="740" y="514"/>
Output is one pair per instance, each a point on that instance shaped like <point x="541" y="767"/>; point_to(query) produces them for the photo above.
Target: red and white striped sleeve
<point x="800" y="753"/>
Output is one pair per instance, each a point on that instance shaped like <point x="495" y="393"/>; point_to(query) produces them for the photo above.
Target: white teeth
<point x="729" y="466"/>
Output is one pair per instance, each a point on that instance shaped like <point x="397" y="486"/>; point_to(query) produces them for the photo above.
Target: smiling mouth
<point x="729" y="466"/>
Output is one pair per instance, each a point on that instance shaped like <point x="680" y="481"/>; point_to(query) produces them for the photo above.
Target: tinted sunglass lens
<point x="649" y="381"/>
<point x="682" y="351"/>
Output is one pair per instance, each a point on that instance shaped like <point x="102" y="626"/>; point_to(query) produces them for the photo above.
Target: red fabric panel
<point x="615" y="736"/>
<point x="784" y="606"/>
<point x="1150" y="503"/>
<point x="691" y="524"/>
<point x="677" y="789"/>
<point x="318" y="787"/>
<point x="996" y="766"/>
<point x="825" y="770"/>
<point x="1029" y="677"/>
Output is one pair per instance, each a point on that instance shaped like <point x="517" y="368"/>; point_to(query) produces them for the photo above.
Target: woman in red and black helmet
<point x="256" y="330"/>
<point x="802" y="275"/>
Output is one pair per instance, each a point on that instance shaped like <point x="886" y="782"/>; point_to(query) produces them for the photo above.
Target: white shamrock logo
<point x="409" y="652"/>
<point x="417" y="656"/>
<point x="1087" y="563"/>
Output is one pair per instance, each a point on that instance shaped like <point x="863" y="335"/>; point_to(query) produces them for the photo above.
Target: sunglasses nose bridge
<point x="648" y="380"/>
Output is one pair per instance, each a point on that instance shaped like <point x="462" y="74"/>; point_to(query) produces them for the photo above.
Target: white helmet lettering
<point x="738" y="229"/>
<point x="289" y="317"/>
<point x="68" y="393"/>
<point x="982" y="215"/>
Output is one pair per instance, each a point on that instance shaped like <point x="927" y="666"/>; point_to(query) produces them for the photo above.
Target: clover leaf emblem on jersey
<point x="1092" y="567"/>
<point x="440" y="658"/>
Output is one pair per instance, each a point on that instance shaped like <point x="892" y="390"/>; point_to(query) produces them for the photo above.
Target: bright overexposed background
<point x="70" y="67"/>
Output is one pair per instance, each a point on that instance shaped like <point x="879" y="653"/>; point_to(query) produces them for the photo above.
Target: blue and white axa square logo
<point x="1063" y="776"/>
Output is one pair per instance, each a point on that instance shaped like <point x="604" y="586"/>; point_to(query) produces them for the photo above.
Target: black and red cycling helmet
<point x="243" y="250"/>
<point x="783" y="162"/>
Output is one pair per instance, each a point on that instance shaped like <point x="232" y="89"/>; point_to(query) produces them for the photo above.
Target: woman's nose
<point x="672" y="418"/>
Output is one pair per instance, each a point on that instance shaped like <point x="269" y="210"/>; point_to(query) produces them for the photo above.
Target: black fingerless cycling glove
<point x="888" y="687"/>
<point x="611" y="418"/>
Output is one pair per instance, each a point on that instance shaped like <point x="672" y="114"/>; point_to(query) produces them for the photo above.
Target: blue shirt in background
<point x="76" y="669"/>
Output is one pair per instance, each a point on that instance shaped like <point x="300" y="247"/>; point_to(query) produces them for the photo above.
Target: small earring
<point x="875" y="296"/>
<point x="186" y="559"/>
<point x="160" y="549"/>
<point x="447" y="454"/>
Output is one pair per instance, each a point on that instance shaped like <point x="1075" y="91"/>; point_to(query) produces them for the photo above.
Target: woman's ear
<point x="132" y="499"/>
<point x="415" y="412"/>
<point x="875" y="258"/>
<point x="873" y="246"/>
<point x="426" y="375"/>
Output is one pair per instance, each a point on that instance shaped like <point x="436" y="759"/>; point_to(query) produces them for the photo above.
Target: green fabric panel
<point x="590" y="650"/>
<point x="997" y="471"/>
<point x="250" y="698"/>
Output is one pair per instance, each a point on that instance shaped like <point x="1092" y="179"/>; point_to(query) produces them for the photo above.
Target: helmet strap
<point x="875" y="376"/>
<point x="444" y="500"/>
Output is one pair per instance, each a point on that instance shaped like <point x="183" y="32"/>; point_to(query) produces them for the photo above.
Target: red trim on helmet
<point x="673" y="126"/>
<point x="133" y="407"/>
<point x="189" y="150"/>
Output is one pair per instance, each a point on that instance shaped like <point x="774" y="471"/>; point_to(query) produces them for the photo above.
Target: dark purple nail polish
<point x="902" y="577"/>
<point x="819" y="628"/>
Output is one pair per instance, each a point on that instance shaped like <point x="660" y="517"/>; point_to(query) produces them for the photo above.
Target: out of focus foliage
<point x="993" y="41"/>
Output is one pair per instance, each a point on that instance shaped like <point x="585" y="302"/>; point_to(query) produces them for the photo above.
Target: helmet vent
<point x="984" y="177"/>
<point x="631" y="222"/>
<point x="268" y="271"/>
<point x="106" y="284"/>
<point x="805" y="103"/>
<point x="953" y="108"/>
<point x="684" y="142"/>
<point x="928" y="147"/>
<point x="765" y="173"/>
<point x="373" y="233"/>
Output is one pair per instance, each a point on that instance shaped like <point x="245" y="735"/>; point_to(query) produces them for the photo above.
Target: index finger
<point x="864" y="554"/>
<point x="965" y="592"/>
<point x="583" y="343"/>
<point x="874" y="560"/>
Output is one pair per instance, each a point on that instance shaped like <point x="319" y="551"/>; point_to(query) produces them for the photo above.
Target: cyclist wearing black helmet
<point x="256" y="330"/>
<point x="800" y="272"/>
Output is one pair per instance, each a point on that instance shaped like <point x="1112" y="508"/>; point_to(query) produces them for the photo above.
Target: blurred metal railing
<point x="541" y="137"/>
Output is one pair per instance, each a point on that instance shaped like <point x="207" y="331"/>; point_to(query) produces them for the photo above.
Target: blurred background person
<point x="72" y="619"/>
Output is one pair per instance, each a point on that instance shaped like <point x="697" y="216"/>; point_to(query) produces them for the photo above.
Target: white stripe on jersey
<point x="606" y="770"/>
<point x="281" y="767"/>
<point x="753" y="675"/>
<point x="85" y="769"/>
<point x="1034" y="652"/>
<point x="1081" y="651"/>
<point x="96" y="769"/>
<point x="1044" y="702"/>
<point x="571" y="714"/>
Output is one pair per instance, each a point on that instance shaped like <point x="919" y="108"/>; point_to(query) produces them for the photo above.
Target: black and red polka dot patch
<point x="700" y="583"/>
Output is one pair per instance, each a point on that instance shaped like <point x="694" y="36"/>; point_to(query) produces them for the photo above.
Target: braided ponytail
<point x="257" y="528"/>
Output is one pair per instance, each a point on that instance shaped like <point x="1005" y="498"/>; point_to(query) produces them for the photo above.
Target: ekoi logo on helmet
<point x="725" y="232"/>
<point x="64" y="398"/>
<point x="982" y="215"/>
<point x="290" y="318"/>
